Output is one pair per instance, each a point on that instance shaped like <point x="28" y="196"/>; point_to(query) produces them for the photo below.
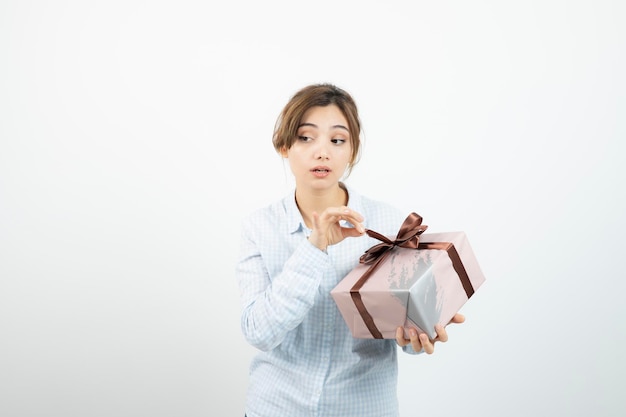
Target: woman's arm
<point x="273" y="306"/>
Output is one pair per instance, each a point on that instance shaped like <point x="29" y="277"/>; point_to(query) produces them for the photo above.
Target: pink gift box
<point x="416" y="280"/>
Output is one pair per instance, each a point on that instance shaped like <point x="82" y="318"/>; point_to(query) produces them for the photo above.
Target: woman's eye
<point x="304" y="138"/>
<point x="338" y="141"/>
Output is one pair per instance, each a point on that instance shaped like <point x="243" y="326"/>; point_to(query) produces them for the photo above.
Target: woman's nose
<point x="322" y="153"/>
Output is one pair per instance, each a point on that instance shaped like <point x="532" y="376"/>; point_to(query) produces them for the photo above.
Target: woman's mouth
<point x="320" y="171"/>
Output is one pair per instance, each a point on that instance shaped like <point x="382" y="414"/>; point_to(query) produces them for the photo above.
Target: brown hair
<point x="286" y="128"/>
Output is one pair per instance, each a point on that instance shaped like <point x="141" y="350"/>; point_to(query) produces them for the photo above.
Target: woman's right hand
<point x="328" y="231"/>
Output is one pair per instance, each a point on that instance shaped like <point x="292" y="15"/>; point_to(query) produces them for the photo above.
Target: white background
<point x="134" y="135"/>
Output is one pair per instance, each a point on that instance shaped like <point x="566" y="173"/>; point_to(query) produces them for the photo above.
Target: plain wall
<point x="135" y="135"/>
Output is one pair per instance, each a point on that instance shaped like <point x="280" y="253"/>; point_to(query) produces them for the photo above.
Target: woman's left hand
<point x="421" y="341"/>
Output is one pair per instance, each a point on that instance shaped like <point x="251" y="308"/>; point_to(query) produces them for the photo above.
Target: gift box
<point x="416" y="280"/>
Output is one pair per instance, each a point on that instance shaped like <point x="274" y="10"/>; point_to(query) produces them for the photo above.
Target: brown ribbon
<point x="407" y="237"/>
<point x="457" y="264"/>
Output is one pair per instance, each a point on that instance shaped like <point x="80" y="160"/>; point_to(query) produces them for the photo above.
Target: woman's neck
<point x="309" y="202"/>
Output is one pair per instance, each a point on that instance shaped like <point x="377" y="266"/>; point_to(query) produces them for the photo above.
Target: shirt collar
<point x="295" y="223"/>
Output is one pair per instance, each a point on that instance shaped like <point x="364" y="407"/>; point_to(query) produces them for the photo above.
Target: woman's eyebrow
<point x="315" y="126"/>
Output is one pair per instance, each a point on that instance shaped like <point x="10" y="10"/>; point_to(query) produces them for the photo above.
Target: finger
<point x="357" y="226"/>
<point x="352" y="231"/>
<point x="427" y="345"/>
<point x="400" y="340"/>
<point x="352" y="214"/>
<point x="328" y="218"/>
<point x="458" y="318"/>
<point x="415" y="340"/>
<point x="442" y="334"/>
<point x="349" y="215"/>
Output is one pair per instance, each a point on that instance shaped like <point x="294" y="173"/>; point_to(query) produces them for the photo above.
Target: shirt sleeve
<point x="273" y="306"/>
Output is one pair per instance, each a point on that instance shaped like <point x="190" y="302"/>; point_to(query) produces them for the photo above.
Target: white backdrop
<point x="134" y="135"/>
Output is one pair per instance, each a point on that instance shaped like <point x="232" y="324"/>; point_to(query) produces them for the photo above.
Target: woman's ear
<point x="283" y="152"/>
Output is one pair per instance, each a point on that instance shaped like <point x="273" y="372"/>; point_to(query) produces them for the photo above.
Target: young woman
<point x="294" y="252"/>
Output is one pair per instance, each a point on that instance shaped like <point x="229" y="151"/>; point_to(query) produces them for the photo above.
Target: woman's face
<point x="321" y="153"/>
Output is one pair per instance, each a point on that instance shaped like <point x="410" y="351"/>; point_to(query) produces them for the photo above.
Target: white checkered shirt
<point x="309" y="364"/>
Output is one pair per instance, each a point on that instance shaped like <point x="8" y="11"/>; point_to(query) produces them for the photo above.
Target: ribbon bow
<point x="407" y="237"/>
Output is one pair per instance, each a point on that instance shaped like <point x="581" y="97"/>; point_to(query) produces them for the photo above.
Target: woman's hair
<point x="286" y="128"/>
